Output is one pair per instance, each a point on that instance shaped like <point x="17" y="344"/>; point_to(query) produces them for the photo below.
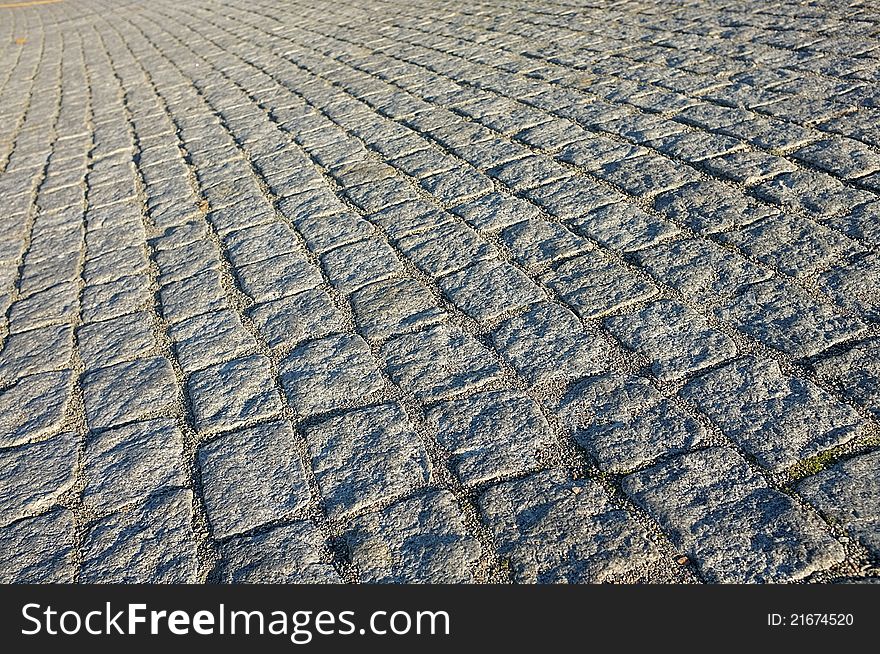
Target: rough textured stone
<point x="855" y="373"/>
<point x="793" y="245"/>
<point x="278" y="277"/>
<point x="350" y="267"/>
<point x="548" y="342"/>
<point x="128" y="463"/>
<point x="710" y="207"/>
<point x="489" y="289"/>
<point x="366" y="456"/>
<point x="114" y="341"/>
<point x="536" y="242"/>
<point x="438" y="362"/>
<point x="393" y="306"/>
<point x="856" y="286"/>
<point x="290" y="554"/>
<point x="210" y="338"/>
<point x="35" y="351"/>
<point x="726" y="519"/>
<point x="151" y="543"/>
<point x="335" y="372"/>
<point x="847" y="494"/>
<point x="491" y="435"/>
<point x="625" y="423"/>
<point x="494" y="211"/>
<point x="625" y="227"/>
<point x="124" y="295"/>
<point x="776" y="418"/>
<point x="33" y="407"/>
<point x="230" y="394"/>
<point x="214" y="221"/>
<point x="39" y="550"/>
<point x="593" y="286"/>
<point x="419" y="540"/>
<point x="286" y="321"/>
<point x="250" y="477"/>
<point x="189" y="297"/>
<point x="128" y="391"/>
<point x="787" y="319"/>
<point x="33" y="476"/>
<point x="676" y="340"/>
<point x="701" y="270"/>
<point x="443" y="250"/>
<point x="554" y="529"/>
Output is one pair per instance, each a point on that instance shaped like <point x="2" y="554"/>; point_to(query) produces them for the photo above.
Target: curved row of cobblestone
<point x="439" y="291"/>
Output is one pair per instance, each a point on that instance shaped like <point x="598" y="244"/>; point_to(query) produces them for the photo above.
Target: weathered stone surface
<point x="700" y="269"/>
<point x="290" y="554"/>
<point x="39" y="550"/>
<point x="793" y="245"/>
<point x="593" y="286"/>
<point x="548" y="342"/>
<point x="52" y="305"/>
<point x="393" y="306"/>
<point x="438" y="362"/>
<point x="847" y="494"/>
<point x="778" y="419"/>
<point x="210" y="338"/>
<point x="331" y="373"/>
<point x="445" y="249"/>
<point x="260" y="242"/>
<point x="349" y="267"/>
<point x="366" y="456"/>
<point x="494" y="211"/>
<point x="128" y="391"/>
<point x="124" y="295"/>
<point x="187" y="260"/>
<point x="307" y="212"/>
<point x="233" y="393"/>
<point x="489" y="289"/>
<point x="624" y="422"/>
<point x="554" y="529"/>
<point x="677" y="340"/>
<point x="35" y="351"/>
<point x="784" y="317"/>
<point x="419" y="540"/>
<point x="189" y="297"/>
<point x="33" y="407"/>
<point x="116" y="340"/>
<point x="151" y="543"/>
<point x="286" y="321"/>
<point x="33" y="476"/>
<point x="278" y="277"/>
<point x="323" y="233"/>
<point x="856" y="286"/>
<point x="710" y="207"/>
<point x="128" y="463"/>
<point x="250" y="477"/>
<point x="855" y="373"/>
<point x="536" y="242"/>
<point x="809" y="191"/>
<point x="726" y="519"/>
<point x="491" y="435"/>
<point x="622" y="226"/>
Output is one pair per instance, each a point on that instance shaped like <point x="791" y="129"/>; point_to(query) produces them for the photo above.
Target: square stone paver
<point x="250" y="477"/>
<point x="553" y="529"/>
<point x="366" y="456"/>
<point x="230" y="394"/>
<point x="727" y="520"/>
<point x="334" y="372"/>
<point x="419" y="540"/>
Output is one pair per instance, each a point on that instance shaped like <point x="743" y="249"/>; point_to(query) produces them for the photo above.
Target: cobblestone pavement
<point x="439" y="291"/>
